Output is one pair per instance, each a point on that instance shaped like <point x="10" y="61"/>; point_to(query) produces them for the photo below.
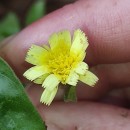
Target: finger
<point x="108" y="31"/>
<point x="84" y="116"/>
<point x="110" y="77"/>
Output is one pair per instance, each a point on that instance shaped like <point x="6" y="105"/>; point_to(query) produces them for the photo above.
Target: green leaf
<point x="36" y="11"/>
<point x="9" y="25"/>
<point x="16" y="111"/>
<point x="70" y="95"/>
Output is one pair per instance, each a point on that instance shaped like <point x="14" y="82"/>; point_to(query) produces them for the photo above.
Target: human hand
<point x="106" y="23"/>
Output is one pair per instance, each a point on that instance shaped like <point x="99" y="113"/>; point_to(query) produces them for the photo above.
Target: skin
<point x="107" y="25"/>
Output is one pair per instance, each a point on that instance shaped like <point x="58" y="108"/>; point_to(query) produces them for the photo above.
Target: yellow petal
<point x="35" y="72"/>
<point x="51" y="82"/>
<point x="89" y="78"/>
<point x="40" y="79"/>
<point x="35" y="55"/>
<point x="61" y="38"/>
<point x="81" y="68"/>
<point x="48" y="96"/>
<point x="81" y="56"/>
<point x="80" y="42"/>
<point x="72" y="78"/>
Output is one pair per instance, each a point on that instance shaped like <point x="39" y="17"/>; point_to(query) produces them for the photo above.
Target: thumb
<point x="85" y="116"/>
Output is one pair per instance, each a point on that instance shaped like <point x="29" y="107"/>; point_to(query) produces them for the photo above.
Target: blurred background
<point x="17" y="14"/>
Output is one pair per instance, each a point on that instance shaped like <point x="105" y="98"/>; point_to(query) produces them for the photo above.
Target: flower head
<point x="60" y="62"/>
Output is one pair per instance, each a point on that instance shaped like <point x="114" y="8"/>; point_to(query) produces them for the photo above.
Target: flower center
<point x="61" y="63"/>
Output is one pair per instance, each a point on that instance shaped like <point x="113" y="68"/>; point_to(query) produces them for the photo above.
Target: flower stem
<point x="70" y="94"/>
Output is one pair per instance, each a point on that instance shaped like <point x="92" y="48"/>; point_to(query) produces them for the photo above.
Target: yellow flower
<point x="62" y="62"/>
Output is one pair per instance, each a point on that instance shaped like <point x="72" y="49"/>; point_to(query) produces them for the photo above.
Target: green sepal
<point x="70" y="94"/>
